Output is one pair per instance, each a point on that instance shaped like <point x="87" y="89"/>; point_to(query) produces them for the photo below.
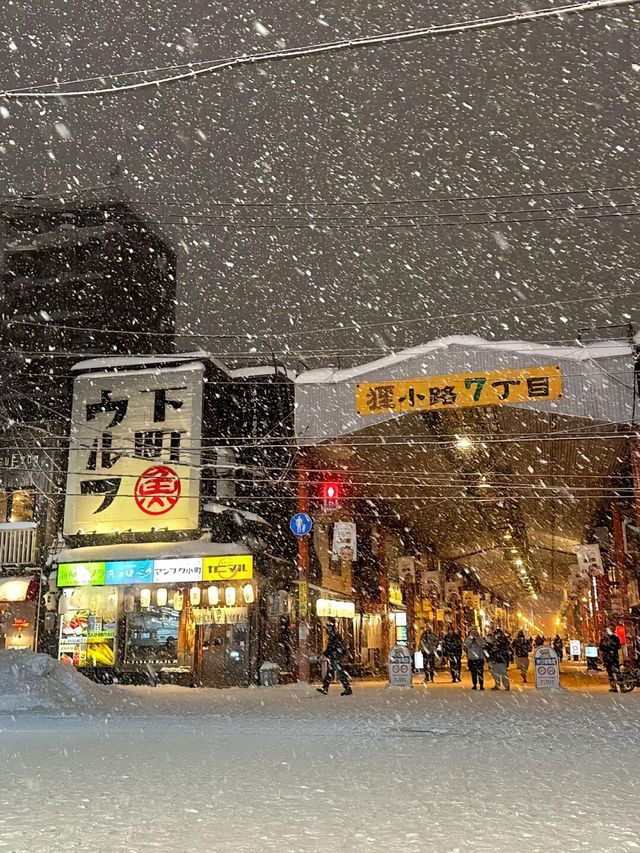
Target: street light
<point x="463" y="442"/>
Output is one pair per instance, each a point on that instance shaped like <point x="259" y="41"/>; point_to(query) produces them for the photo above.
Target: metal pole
<point x="303" y="577"/>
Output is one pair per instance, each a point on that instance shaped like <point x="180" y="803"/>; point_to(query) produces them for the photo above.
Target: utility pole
<point x="303" y="575"/>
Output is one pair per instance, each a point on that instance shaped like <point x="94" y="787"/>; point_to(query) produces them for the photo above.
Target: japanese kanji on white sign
<point x="134" y="457"/>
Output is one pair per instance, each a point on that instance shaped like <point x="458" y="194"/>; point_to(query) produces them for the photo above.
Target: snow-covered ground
<point x="288" y="770"/>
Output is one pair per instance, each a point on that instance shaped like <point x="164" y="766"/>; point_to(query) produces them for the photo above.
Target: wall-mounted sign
<point x="81" y="574"/>
<point x="129" y="572"/>
<point x="238" y="568"/>
<point x="345" y="542"/>
<point x="177" y="570"/>
<point x="462" y="390"/>
<point x="134" y="456"/>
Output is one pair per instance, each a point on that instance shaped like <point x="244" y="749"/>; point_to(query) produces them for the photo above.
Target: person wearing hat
<point x="334" y="653"/>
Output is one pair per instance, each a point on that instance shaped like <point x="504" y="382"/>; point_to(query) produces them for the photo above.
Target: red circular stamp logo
<point x="157" y="490"/>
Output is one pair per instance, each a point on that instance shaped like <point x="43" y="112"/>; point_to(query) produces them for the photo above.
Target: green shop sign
<point x="82" y="574"/>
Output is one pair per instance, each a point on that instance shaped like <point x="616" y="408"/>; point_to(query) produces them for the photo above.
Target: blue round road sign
<point x="301" y="524"/>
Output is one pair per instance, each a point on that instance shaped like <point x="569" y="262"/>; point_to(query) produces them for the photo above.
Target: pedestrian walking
<point x="539" y="641"/>
<point x="475" y="647"/>
<point x="429" y="648"/>
<point x="522" y="647"/>
<point x="499" y="656"/>
<point x="558" y="647"/>
<point x="610" y="649"/>
<point x="452" y="650"/>
<point x="334" y="652"/>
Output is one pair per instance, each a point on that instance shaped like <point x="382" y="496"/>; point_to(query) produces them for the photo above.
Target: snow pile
<point x="38" y="682"/>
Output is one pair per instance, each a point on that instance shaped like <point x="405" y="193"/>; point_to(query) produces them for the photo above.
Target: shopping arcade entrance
<point x="486" y="482"/>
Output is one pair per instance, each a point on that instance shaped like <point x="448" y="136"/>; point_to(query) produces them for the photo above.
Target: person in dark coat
<point x="610" y="650"/>
<point x="475" y="645"/>
<point x="500" y="656"/>
<point x="558" y="647"/>
<point x="334" y="653"/>
<point x="539" y="641"/>
<point x="452" y="650"/>
<point x="429" y="648"/>
<point x="521" y="650"/>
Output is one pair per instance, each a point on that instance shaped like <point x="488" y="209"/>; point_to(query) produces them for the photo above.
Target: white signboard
<point x="400" y="667"/>
<point x="574" y="648"/>
<point x="590" y="560"/>
<point x="406" y="568"/>
<point x="134" y="456"/>
<point x="546" y="668"/>
<point x="177" y="570"/>
<point x="345" y="544"/>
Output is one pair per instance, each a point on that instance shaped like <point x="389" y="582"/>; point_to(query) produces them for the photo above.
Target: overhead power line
<point x="25" y="201"/>
<point x="199" y="69"/>
<point x="355" y="327"/>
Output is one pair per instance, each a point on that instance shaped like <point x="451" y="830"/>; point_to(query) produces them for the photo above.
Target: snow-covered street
<point x="438" y="769"/>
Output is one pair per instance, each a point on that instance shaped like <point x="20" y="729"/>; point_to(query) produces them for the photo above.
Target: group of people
<point x="496" y="650"/>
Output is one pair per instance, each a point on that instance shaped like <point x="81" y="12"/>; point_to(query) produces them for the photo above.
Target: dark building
<point x="76" y="277"/>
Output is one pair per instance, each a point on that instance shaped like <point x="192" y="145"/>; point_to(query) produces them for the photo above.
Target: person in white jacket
<point x="474" y="646"/>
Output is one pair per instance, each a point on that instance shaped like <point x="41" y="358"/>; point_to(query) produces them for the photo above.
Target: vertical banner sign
<point x="406" y="569"/>
<point x="345" y="543"/>
<point x="590" y="560"/>
<point x="134" y="455"/>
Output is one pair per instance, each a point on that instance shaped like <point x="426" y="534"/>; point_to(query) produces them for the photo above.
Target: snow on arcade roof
<point x="597" y="380"/>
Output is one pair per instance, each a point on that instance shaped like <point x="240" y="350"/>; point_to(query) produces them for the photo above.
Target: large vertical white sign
<point x="134" y="455"/>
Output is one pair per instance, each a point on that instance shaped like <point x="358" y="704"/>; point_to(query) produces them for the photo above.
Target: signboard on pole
<point x="400" y="667"/>
<point x="574" y="648"/>
<point x="546" y="668"/>
<point x="590" y="560"/>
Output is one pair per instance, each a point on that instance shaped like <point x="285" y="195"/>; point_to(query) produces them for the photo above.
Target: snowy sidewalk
<point x="289" y="770"/>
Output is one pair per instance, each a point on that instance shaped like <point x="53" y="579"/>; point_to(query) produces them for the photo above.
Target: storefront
<point x="19" y="611"/>
<point x="190" y="620"/>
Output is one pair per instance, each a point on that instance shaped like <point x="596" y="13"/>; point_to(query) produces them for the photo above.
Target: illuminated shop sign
<point x="82" y="574"/>
<point x="227" y="568"/>
<point x="129" y="572"/>
<point x="165" y="571"/>
<point x="177" y="570"/>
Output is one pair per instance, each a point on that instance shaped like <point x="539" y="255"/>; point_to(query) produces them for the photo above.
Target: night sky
<point x="539" y="107"/>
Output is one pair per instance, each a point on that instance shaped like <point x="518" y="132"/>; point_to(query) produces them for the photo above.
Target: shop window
<point x="151" y="636"/>
<point x="18" y="506"/>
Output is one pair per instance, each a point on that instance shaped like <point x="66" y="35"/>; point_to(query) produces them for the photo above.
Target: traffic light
<point x="330" y="493"/>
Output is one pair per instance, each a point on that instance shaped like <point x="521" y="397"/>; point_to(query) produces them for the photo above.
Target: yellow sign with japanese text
<point x="460" y="391"/>
<point x="227" y="568"/>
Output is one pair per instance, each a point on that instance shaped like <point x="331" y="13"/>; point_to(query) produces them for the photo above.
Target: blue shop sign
<point x="129" y="572"/>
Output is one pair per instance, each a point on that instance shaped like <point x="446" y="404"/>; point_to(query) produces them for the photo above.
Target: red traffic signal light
<point x="330" y="492"/>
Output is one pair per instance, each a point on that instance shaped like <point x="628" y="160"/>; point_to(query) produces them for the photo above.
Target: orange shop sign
<point x="460" y="391"/>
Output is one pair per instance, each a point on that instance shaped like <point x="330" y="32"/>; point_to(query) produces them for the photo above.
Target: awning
<point x="151" y="551"/>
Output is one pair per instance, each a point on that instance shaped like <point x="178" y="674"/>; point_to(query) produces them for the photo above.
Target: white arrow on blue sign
<point x="301" y="524"/>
